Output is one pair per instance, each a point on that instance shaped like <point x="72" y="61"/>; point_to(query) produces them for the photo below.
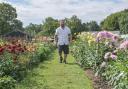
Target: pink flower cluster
<point x="110" y="55"/>
<point x="106" y="35"/>
<point x="124" y="45"/>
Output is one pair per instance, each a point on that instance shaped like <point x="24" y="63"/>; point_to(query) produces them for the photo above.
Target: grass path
<point x="53" y="75"/>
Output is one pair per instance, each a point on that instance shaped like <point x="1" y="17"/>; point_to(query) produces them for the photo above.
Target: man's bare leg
<point x="60" y="57"/>
<point x="65" y="58"/>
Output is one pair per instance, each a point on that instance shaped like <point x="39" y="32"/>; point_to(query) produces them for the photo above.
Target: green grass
<point x="53" y="75"/>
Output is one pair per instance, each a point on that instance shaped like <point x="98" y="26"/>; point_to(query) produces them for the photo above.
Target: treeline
<point x="8" y="19"/>
<point x="50" y="24"/>
<point x="9" y="22"/>
<point x="117" y="21"/>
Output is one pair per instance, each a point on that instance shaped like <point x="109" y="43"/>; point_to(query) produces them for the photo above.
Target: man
<point x="62" y="39"/>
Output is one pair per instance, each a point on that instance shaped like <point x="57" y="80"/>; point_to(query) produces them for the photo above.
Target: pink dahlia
<point x="104" y="34"/>
<point x="124" y="45"/>
<point x="114" y="57"/>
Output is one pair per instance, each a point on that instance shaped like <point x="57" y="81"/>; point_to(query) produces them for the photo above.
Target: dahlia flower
<point x="124" y="45"/>
<point x="106" y="35"/>
<point x="114" y="57"/>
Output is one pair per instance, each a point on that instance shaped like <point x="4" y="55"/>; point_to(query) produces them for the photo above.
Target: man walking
<point x="62" y="39"/>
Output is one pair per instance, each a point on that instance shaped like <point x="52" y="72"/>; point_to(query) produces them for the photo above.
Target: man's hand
<point x="55" y="40"/>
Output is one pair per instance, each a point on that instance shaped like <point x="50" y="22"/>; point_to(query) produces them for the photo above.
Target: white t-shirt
<point x="63" y="35"/>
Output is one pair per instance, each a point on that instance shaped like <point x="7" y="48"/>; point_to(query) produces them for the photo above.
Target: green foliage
<point x="8" y="21"/>
<point x="117" y="21"/>
<point x="123" y="23"/>
<point x="89" y="58"/>
<point x="17" y="71"/>
<point x="77" y="26"/>
<point x="6" y="64"/>
<point x="41" y="54"/>
<point x="7" y="67"/>
<point x="111" y="23"/>
<point x="7" y="82"/>
<point x="49" y="26"/>
<point x="116" y="74"/>
<point x="33" y="29"/>
<point x="8" y="13"/>
<point x="92" y="55"/>
<point x="17" y="25"/>
<point x="92" y="26"/>
<point x="74" y="23"/>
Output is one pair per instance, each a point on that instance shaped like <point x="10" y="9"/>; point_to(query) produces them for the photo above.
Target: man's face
<point x="62" y="23"/>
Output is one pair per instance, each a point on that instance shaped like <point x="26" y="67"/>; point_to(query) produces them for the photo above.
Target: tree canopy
<point x="116" y="21"/>
<point x="33" y="29"/>
<point x="49" y="26"/>
<point x="8" y="21"/>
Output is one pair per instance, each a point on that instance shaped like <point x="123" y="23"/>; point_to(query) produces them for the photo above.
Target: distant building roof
<point x="114" y="32"/>
<point x="16" y="33"/>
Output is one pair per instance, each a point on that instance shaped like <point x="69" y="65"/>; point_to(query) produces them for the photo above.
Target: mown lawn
<point x="53" y="75"/>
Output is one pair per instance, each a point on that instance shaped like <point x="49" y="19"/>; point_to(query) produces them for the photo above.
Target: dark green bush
<point x="17" y="71"/>
<point x="7" y="82"/>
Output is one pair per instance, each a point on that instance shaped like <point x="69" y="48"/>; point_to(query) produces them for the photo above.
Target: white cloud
<point x="36" y="10"/>
<point x="2" y="1"/>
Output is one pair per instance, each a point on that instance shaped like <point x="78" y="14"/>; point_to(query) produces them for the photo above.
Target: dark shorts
<point x="63" y="48"/>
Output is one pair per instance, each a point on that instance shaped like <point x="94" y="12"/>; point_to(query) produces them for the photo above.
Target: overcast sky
<point x="34" y="11"/>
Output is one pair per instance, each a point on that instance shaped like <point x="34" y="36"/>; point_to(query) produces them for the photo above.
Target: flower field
<point x="106" y="53"/>
<point x="17" y="58"/>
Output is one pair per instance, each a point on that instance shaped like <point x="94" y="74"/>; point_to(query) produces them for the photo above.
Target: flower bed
<point x="17" y="58"/>
<point x="106" y="54"/>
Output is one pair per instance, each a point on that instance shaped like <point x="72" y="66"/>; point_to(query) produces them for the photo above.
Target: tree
<point x="117" y="21"/>
<point x="111" y="23"/>
<point x="92" y="26"/>
<point x="17" y="25"/>
<point x="33" y="29"/>
<point x="49" y="26"/>
<point x="7" y="16"/>
<point x="85" y="27"/>
<point x="123" y="23"/>
<point x="75" y="24"/>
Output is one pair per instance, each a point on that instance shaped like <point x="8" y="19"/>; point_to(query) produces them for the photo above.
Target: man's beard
<point x="62" y="26"/>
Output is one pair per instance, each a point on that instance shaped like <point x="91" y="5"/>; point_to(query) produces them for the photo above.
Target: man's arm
<point x="55" y="38"/>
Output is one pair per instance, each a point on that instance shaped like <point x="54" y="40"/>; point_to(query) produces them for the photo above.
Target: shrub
<point x="7" y="82"/>
<point x="16" y="69"/>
